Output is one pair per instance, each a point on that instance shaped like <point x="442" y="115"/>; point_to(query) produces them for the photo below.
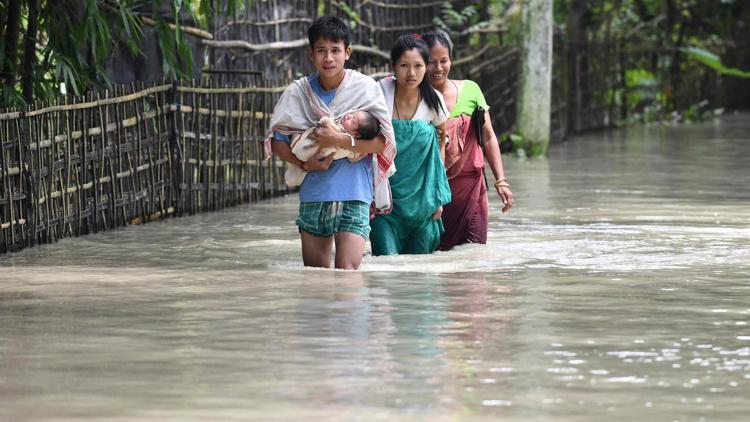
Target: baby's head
<point x="361" y="124"/>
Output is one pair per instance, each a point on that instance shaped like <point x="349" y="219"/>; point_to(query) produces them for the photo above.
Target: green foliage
<point x="652" y="60"/>
<point x="11" y="98"/>
<point x="321" y="8"/>
<point x="76" y="38"/>
<point x="202" y="10"/>
<point x="132" y="26"/>
<point x="640" y="78"/>
<point x="460" y="23"/>
<point x="521" y="148"/>
<point x="536" y="150"/>
<point x="643" y="92"/>
<point x="64" y="71"/>
<point x="176" y="56"/>
<point x="354" y="18"/>
<point x="713" y="61"/>
<point x="700" y="111"/>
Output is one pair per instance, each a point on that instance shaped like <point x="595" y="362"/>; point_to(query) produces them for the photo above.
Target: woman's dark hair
<point x="435" y="37"/>
<point x="330" y="28"/>
<point x="414" y="42"/>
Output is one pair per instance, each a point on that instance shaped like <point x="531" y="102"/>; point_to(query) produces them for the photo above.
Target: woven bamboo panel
<point x="496" y="72"/>
<point x="380" y="22"/>
<point x="261" y="23"/>
<point x="130" y="155"/>
<point x="220" y="146"/>
<point x="55" y="158"/>
<point x="13" y="183"/>
<point x="98" y="162"/>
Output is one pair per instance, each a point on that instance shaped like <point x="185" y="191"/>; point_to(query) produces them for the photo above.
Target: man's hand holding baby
<point x="318" y="162"/>
<point x="327" y="136"/>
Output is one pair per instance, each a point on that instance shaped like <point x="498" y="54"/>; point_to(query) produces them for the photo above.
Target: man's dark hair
<point x="369" y="127"/>
<point x="330" y="28"/>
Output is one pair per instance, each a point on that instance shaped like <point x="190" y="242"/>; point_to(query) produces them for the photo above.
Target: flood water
<point x="618" y="288"/>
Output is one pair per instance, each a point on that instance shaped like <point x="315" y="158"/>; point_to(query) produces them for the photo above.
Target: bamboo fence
<point x="267" y="38"/>
<point x="131" y="155"/>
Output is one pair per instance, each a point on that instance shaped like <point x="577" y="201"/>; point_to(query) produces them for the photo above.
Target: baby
<point x="359" y="124"/>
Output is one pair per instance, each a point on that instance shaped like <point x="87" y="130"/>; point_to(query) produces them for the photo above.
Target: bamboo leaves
<point x="74" y="40"/>
<point x="65" y="72"/>
<point x="132" y="24"/>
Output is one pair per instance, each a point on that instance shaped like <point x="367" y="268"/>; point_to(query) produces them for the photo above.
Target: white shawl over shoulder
<point x="299" y="108"/>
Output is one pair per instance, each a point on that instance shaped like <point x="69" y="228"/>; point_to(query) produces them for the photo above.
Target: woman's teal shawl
<point x="419" y="185"/>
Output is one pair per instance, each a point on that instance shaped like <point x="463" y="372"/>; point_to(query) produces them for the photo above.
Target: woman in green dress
<point x="419" y="186"/>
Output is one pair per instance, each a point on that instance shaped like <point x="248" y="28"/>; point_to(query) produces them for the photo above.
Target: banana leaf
<point x="713" y="61"/>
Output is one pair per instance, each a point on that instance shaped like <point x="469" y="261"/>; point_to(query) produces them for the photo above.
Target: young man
<point x="335" y="196"/>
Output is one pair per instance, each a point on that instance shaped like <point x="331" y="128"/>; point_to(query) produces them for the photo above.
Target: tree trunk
<point x="623" y="80"/>
<point x="3" y="20"/>
<point x="535" y="97"/>
<point x="11" y="44"/>
<point x="737" y="90"/>
<point x="675" y="74"/>
<point x="29" y="52"/>
<point x="576" y="35"/>
<point x="675" y="21"/>
<point x="612" y="64"/>
<point x="672" y="16"/>
<point x="642" y="11"/>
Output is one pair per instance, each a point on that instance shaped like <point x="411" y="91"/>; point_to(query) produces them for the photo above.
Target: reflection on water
<point x="617" y="288"/>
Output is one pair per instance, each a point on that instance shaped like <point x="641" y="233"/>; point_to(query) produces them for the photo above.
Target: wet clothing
<point x="324" y="219"/>
<point x="419" y="188"/>
<point x="465" y="218"/>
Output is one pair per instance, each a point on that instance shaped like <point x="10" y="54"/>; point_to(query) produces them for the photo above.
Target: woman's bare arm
<point x="492" y="153"/>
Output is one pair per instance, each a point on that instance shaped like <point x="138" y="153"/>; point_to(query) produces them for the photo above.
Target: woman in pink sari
<point x="465" y="218"/>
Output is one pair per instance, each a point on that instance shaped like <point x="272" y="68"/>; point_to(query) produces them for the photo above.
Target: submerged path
<point x="617" y="286"/>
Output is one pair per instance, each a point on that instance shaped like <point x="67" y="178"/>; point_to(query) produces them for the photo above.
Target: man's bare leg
<point x="349" y="250"/>
<point x="316" y="251"/>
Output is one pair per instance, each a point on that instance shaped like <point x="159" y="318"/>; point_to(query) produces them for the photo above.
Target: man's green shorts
<point x="324" y="219"/>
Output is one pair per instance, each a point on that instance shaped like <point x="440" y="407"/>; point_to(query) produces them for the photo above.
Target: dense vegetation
<point x="47" y="43"/>
<point x="673" y="55"/>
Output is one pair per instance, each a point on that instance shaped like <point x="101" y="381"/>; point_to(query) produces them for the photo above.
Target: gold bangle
<point x="502" y="183"/>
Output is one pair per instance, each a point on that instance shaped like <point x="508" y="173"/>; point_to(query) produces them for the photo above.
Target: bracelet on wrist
<point x="502" y="183"/>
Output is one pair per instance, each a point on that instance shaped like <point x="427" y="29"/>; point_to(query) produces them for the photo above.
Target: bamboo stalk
<point x="186" y="29"/>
